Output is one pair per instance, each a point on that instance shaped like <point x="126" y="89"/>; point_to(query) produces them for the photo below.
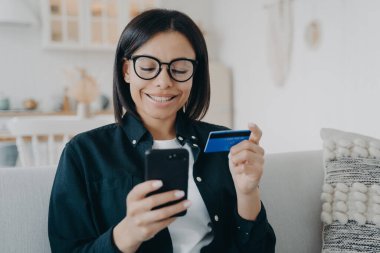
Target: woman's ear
<point x="126" y="69"/>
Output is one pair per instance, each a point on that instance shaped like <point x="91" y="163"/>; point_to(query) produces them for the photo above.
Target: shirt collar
<point x="184" y="129"/>
<point x="135" y="129"/>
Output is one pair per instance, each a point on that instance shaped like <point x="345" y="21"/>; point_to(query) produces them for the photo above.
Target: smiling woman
<point x="100" y="201"/>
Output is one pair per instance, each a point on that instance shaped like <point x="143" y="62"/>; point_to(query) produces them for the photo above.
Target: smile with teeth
<point x="160" y="99"/>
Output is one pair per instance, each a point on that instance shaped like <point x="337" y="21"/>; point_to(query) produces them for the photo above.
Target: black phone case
<point x="172" y="167"/>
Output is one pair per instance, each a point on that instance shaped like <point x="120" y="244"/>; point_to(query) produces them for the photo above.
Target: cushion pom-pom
<point x="360" y="143"/>
<point x="359" y="187"/>
<point x="359" y="218"/>
<point x="338" y="195"/>
<point x="326" y="197"/>
<point x="342" y="187"/>
<point x="327" y="188"/>
<point x="343" y="152"/>
<point x="376" y="189"/>
<point x="359" y="152"/>
<point x="374" y="144"/>
<point x="343" y="143"/>
<point x="326" y="217"/>
<point x="360" y="206"/>
<point x="329" y="145"/>
<point x="340" y="206"/>
<point x="374" y="152"/>
<point x="359" y="196"/>
<point x="328" y="155"/>
<point x="341" y="217"/>
<point x="376" y="199"/>
<point x="326" y="207"/>
<point x="376" y="208"/>
<point x="376" y="220"/>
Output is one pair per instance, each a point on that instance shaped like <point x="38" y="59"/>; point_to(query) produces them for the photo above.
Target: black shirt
<point x="98" y="169"/>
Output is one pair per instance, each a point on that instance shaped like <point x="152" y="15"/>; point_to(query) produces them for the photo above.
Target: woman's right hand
<point x="141" y="222"/>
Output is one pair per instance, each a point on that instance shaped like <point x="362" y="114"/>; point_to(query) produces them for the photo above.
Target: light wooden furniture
<point x="6" y="115"/>
<point x="40" y="140"/>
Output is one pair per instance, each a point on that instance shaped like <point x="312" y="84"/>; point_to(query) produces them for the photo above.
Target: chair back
<point x="40" y="140"/>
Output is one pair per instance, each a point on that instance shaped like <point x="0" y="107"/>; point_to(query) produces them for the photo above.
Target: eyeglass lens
<point x="180" y="70"/>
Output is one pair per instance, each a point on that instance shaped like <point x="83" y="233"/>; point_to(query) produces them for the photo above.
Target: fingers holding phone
<point x="155" y="206"/>
<point x="142" y="222"/>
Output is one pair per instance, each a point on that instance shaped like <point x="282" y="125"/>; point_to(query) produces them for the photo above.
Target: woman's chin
<point x="160" y="114"/>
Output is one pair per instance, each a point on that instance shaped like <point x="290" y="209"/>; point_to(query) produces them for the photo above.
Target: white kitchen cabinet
<point x="88" y="24"/>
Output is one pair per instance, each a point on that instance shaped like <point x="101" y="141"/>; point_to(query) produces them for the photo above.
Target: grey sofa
<point x="290" y="188"/>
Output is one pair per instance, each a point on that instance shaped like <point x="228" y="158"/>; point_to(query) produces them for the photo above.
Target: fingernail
<point x="179" y="194"/>
<point x="251" y="124"/>
<point x="229" y="155"/>
<point x="157" y="184"/>
<point x="187" y="203"/>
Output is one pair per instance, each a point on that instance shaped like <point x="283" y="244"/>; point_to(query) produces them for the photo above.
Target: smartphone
<point x="172" y="167"/>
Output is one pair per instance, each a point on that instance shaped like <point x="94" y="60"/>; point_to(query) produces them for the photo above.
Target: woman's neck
<point x="161" y="129"/>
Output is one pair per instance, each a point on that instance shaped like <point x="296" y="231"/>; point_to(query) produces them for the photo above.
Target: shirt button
<point x="216" y="218"/>
<point x="193" y="137"/>
<point x="134" y="142"/>
<point x="195" y="145"/>
<point x="180" y="138"/>
<point x="199" y="179"/>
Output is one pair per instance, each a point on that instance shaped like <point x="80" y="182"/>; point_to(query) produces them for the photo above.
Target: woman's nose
<point x="163" y="80"/>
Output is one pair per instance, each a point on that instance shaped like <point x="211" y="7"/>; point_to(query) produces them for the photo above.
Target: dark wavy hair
<point x="138" y="31"/>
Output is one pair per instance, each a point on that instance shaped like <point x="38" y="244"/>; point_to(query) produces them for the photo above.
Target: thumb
<point x="255" y="133"/>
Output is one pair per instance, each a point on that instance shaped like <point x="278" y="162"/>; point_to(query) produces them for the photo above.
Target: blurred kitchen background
<point x="291" y="66"/>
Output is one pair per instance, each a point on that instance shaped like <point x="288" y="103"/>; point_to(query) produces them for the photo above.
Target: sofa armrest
<point x="24" y="202"/>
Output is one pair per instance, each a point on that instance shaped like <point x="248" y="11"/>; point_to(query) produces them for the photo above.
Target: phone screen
<point x="172" y="167"/>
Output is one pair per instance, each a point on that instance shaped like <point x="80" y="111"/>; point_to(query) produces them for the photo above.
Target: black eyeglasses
<point x="147" y="67"/>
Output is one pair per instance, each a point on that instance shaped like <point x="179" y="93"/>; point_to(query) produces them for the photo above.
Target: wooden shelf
<point x="8" y="114"/>
<point x="20" y="113"/>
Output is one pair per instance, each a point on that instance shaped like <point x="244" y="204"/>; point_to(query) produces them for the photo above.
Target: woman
<point x="99" y="200"/>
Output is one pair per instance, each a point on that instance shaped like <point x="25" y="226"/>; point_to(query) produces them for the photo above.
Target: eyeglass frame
<point x="135" y="57"/>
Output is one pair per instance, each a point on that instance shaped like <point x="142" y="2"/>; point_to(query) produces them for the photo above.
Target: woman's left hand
<point x="246" y="161"/>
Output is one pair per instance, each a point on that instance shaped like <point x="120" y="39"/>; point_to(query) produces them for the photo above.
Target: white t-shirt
<point x="191" y="232"/>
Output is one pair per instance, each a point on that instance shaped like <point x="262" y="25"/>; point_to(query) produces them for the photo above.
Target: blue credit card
<point x="222" y="141"/>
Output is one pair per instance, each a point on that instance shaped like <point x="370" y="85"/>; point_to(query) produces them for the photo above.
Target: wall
<point x="335" y="86"/>
<point x="29" y="71"/>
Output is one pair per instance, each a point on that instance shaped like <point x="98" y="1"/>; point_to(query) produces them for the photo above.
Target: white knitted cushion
<point x="351" y="193"/>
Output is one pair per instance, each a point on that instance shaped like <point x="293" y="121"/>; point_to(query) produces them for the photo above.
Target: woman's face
<point x="161" y="97"/>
